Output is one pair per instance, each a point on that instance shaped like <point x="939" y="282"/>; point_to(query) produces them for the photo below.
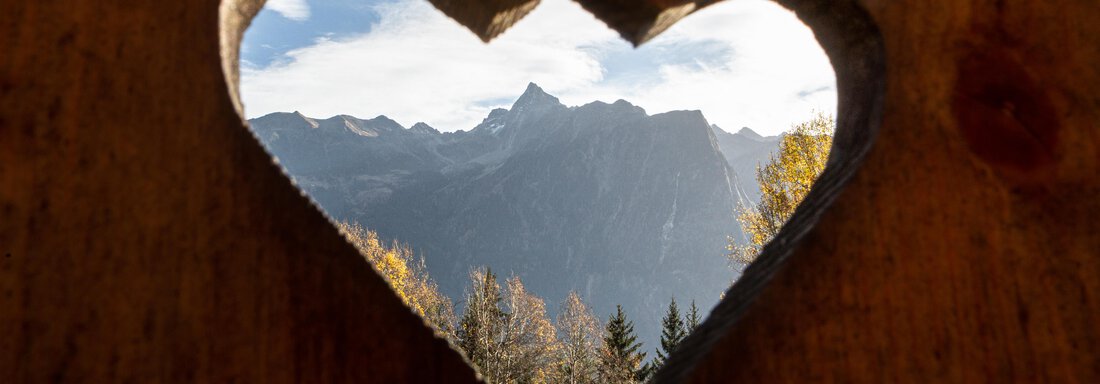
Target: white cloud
<point x="297" y="10"/>
<point x="775" y="74"/>
<point x="417" y="65"/>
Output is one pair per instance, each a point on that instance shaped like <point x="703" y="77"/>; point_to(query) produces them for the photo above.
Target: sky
<point x="744" y="63"/>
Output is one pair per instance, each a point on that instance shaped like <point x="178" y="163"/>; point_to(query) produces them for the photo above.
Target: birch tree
<point x="579" y="335"/>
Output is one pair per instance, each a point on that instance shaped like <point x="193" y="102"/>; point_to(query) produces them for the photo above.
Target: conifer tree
<point x="647" y="371"/>
<point x="692" y="318"/>
<point x="482" y="319"/>
<point x="672" y="332"/>
<point x="620" y="359"/>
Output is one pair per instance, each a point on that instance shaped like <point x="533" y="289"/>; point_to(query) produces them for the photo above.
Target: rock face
<point x="744" y="151"/>
<point x="623" y="207"/>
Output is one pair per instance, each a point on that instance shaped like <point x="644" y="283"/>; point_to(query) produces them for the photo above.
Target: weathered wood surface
<point x="147" y="237"/>
<point x="966" y="245"/>
<point x="488" y="18"/>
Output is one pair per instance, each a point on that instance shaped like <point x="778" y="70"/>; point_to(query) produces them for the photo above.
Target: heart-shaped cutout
<point x="621" y="205"/>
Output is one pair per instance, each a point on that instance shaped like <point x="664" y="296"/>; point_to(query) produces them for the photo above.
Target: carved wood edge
<point x="854" y="46"/>
<point x="843" y="28"/>
<point x="235" y="16"/>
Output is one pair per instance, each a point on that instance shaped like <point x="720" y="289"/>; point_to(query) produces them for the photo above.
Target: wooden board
<point x="145" y="235"/>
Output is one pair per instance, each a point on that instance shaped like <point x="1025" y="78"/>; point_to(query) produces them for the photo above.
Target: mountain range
<point x="604" y="199"/>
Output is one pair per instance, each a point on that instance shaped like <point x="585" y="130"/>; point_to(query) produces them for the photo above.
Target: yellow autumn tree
<point x="528" y="339"/>
<point x="784" y="181"/>
<point x="578" y="358"/>
<point x="406" y="275"/>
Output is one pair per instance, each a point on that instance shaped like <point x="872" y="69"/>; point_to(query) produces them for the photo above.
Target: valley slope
<point x="623" y="207"/>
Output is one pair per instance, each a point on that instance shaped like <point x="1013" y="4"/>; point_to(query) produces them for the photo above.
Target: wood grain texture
<point x="636" y="21"/>
<point x="965" y="247"/>
<point x="639" y="21"/>
<point x="147" y="237"/>
<point x="486" y="18"/>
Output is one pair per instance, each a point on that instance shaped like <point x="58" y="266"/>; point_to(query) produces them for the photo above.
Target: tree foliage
<point x="406" y="275"/>
<point x="579" y="335"/>
<point x="506" y="333"/>
<point x="784" y="181"/>
<point x="672" y="332"/>
<point x="692" y="318"/>
<point x="528" y="343"/>
<point x="481" y="322"/>
<point x="505" y="330"/>
<point x="620" y="359"/>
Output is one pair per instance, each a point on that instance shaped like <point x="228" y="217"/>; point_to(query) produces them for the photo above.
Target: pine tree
<point x="620" y="359"/>
<point x="672" y="332"/>
<point x="646" y="372"/>
<point x="692" y="318"/>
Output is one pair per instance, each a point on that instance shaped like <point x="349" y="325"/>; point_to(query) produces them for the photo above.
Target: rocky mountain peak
<point x="627" y="107"/>
<point x="381" y="123"/>
<point x="492" y="123"/>
<point x="284" y="121"/>
<point x="534" y="95"/>
<point x="749" y="133"/>
<point x="423" y="128"/>
<point x="496" y="113"/>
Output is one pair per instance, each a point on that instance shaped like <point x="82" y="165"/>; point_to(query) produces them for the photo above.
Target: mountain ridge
<point x="624" y="207"/>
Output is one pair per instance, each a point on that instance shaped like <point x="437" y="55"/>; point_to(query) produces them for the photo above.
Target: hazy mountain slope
<point x="744" y="151"/>
<point x="623" y="207"/>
